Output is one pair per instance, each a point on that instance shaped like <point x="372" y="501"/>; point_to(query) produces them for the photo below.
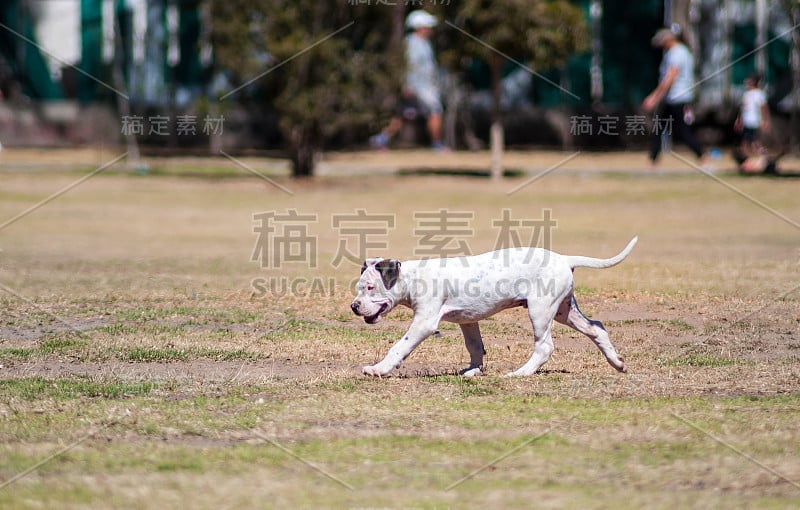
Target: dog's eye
<point x="370" y="287"/>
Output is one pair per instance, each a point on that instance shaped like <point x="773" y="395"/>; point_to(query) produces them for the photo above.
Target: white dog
<point x="466" y="290"/>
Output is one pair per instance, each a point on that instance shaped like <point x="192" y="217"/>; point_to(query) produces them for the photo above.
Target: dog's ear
<point x="390" y="272"/>
<point x="364" y="267"/>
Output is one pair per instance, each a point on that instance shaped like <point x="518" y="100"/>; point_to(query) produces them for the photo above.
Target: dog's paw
<point x="471" y="372"/>
<point x="520" y="373"/>
<point x="372" y="370"/>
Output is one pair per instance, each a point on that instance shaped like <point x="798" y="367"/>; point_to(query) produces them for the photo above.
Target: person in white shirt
<point x="421" y="91"/>
<point x="672" y="98"/>
<point x="753" y="118"/>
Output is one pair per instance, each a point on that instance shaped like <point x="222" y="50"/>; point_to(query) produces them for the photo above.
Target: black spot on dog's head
<point x="370" y="262"/>
<point x="389" y="271"/>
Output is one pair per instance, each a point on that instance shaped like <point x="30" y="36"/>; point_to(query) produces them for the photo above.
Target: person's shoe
<point x="379" y="141"/>
<point x="707" y="164"/>
<point x="440" y="147"/>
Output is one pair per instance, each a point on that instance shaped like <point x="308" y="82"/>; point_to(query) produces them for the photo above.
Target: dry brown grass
<point x="155" y="273"/>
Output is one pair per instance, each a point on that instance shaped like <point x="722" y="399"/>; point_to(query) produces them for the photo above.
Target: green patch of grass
<point x="704" y="360"/>
<point x="19" y="353"/>
<point x="187" y="315"/>
<point x="657" y="452"/>
<point x="296" y="324"/>
<point x="416" y="470"/>
<point x="154" y="355"/>
<point x="449" y="379"/>
<point x="37" y="388"/>
<point x="168" y="354"/>
<point x="582" y="290"/>
<point x="344" y="317"/>
<point x="119" y="329"/>
<point x="678" y="324"/>
<point x="275" y="169"/>
<point x="665" y="324"/>
<point x="402" y="315"/>
<point x="410" y="438"/>
<point x="467" y="386"/>
<point x="55" y="345"/>
<point x="186" y="464"/>
<point x="344" y="386"/>
<point x="301" y="329"/>
<point x="476" y="391"/>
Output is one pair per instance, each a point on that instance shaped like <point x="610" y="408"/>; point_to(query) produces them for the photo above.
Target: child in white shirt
<point x="753" y="118"/>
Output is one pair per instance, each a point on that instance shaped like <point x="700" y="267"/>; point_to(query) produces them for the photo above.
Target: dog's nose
<point x="354" y="307"/>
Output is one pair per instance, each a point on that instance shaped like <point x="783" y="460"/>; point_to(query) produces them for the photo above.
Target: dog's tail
<point x="578" y="261"/>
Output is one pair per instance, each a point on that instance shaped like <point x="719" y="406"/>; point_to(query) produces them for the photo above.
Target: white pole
<point x="108" y="21"/>
<point x="596" y="68"/>
<point x="761" y="37"/>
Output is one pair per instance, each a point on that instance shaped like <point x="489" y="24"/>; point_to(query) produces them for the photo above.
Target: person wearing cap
<point x="421" y="92"/>
<point x="672" y="98"/>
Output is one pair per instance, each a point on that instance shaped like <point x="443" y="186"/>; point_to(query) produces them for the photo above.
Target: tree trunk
<point x="303" y="161"/>
<point x="398" y="25"/>
<point x="302" y="152"/>
<point x="123" y="104"/>
<point x="496" y="133"/>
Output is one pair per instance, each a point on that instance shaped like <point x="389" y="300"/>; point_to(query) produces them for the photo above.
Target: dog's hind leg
<point x="570" y="314"/>
<point x="542" y="320"/>
<point x="474" y="343"/>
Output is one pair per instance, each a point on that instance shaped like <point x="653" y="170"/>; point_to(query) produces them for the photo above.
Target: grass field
<point x="145" y="361"/>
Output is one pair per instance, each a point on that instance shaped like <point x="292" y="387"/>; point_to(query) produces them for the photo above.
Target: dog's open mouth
<point x="372" y="319"/>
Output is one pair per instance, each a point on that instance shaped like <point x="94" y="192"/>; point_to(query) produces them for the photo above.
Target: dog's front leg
<point x="421" y="328"/>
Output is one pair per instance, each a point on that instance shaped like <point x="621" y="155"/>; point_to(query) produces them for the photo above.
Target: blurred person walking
<point x="672" y="98"/>
<point x="753" y="118"/>
<point x="421" y="92"/>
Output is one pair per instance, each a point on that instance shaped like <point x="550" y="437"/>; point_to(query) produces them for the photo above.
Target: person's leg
<point x="747" y="148"/>
<point x="754" y="140"/>
<point x="655" y="147"/>
<point x="658" y="128"/>
<point x="381" y="140"/>
<point x="432" y="108"/>
<point x="394" y="126"/>
<point x="684" y="131"/>
<point x="435" y="128"/>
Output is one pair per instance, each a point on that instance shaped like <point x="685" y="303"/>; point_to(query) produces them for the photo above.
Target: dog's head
<point x="373" y="297"/>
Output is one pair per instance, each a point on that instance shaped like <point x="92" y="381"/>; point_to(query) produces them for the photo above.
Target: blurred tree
<point x="542" y="34"/>
<point x="323" y="66"/>
<point x="792" y="8"/>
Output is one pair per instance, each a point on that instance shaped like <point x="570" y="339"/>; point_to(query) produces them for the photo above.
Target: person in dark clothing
<point x="672" y="98"/>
